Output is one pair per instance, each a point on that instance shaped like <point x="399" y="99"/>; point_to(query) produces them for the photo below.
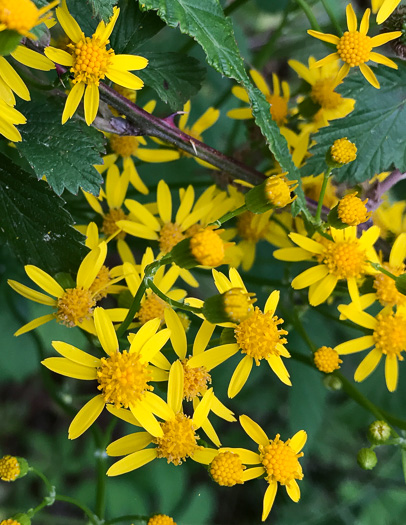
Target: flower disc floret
<point x="237" y="305"/>
<point x="259" y="335"/>
<point x="19" y="16"/>
<point x="91" y="60"/>
<point x="9" y="468"/>
<point x="195" y="381"/>
<point x="343" y="151"/>
<point x="124" y="145"/>
<point x="354" y="48"/>
<point x="75" y="305"/>
<point x="280" y="461"/>
<point x="277" y="191"/>
<point x="345" y="259"/>
<point x="109" y="226"/>
<point x="385" y="287"/>
<point x="99" y="285"/>
<point x="179" y="440"/>
<point x="390" y="334"/>
<point x="279" y="109"/>
<point x="10" y="522"/>
<point x="327" y="359"/>
<point x="226" y="469"/>
<point x="207" y="247"/>
<point x="170" y="235"/>
<point x="161" y="519"/>
<point x="352" y="210"/>
<point x="123" y="379"/>
<point x="323" y="93"/>
<point x="152" y="308"/>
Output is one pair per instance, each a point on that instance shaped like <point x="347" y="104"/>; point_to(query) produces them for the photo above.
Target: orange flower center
<point x="75" y="305"/>
<point x="226" y="469"/>
<point x="280" y="461"/>
<point x="354" y="48"/>
<point x="179" y="440"/>
<point x="277" y="191"/>
<point x="161" y="519"/>
<point x="385" y="287"/>
<point x="352" y="210"/>
<point x="345" y="259"/>
<point x="390" y="334"/>
<point x="152" y="308"/>
<point x="20" y="16"/>
<point x="343" y="151"/>
<point x="279" y="108"/>
<point x="9" y="468"/>
<point x="238" y="304"/>
<point x="259" y="335"/>
<point x="195" y="381"/>
<point x="327" y="359"/>
<point x="91" y="60"/>
<point x="246" y="227"/>
<point x="207" y="247"/>
<point x="100" y="284"/>
<point x="169" y="236"/>
<point x="123" y="379"/>
<point x="125" y="146"/>
<point x="323" y="93"/>
<point x="109" y="226"/>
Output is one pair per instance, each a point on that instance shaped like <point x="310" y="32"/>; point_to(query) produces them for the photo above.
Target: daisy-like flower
<point x="258" y="337"/>
<point x="390" y="217"/>
<point x="73" y="306"/>
<point x="161" y="519"/>
<point x="123" y="377"/>
<point x="152" y="306"/>
<point x="177" y="439"/>
<point x="323" y="82"/>
<point x="278" y="102"/>
<point x="344" y="257"/>
<point x="126" y="147"/>
<point x="388" y="337"/>
<point x="383" y="8"/>
<point x="193" y="381"/>
<point x="90" y="61"/>
<point x="354" y="48"/>
<point x="24" y="15"/>
<point x="386" y="291"/>
<point x="279" y="462"/>
<point x="9" y="118"/>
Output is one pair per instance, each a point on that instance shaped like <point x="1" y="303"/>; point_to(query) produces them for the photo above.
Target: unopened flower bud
<point x="341" y="152"/>
<point x="379" y="432"/>
<point x="332" y="382"/>
<point x="275" y="192"/>
<point x="367" y="459"/>
<point x="204" y="248"/>
<point x="12" y="468"/>
<point x="235" y="305"/>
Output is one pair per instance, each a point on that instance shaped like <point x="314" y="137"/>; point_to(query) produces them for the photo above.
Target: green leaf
<point x="376" y="126"/>
<point x="175" y="77"/>
<point x="65" y="154"/>
<point x="102" y="9"/>
<point x="9" y="40"/>
<point x="133" y="27"/>
<point x="35" y="224"/>
<point x="206" y="23"/>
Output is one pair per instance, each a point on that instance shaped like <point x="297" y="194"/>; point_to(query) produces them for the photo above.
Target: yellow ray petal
<point x="293" y="489"/>
<point x="381" y="59"/>
<point x="158" y="406"/>
<point x="135" y="179"/>
<point x="154" y="345"/>
<point x="164" y="200"/>
<point x="329" y="59"/>
<point x="132" y="462"/>
<point x="303" y="71"/>
<point x="128" y="62"/>
<point x="59" y="56"/>
<point x="176" y="386"/>
<point x="355" y="345"/>
<point x="307" y="244"/>
<point x="272" y="302"/>
<point x="203" y="337"/>
<point x="68" y="23"/>
<point x="310" y="276"/>
<point x="35" y="323"/>
<point x="105" y="331"/>
<point x="116" y="186"/>
<point x="144" y="334"/>
<point x="292" y="254"/>
<point x="44" y="280"/>
<point x="203" y="409"/>
<point x="31" y="58"/>
<point x="137" y="230"/>
<point x="386" y="10"/>
<point x="204" y="456"/>
<point x="356" y="316"/>
<point x="248" y="457"/>
<point x="240" y="376"/>
<point x="86" y="416"/>
<point x="398" y="251"/>
<point x="325" y="37"/>
<point x="391" y="372"/>
<point x="260" y="82"/>
<point x="209" y="117"/>
<point x="367" y="365"/>
<point x="143" y="214"/>
<point x="68" y="368"/>
<point x="364" y="25"/>
<point x="123" y="414"/>
<point x="74" y="354"/>
<point x="322" y="290"/>
<point x="91" y="103"/>
<point x="240" y="113"/>
<point x="240" y="93"/>
<point x="298" y="441"/>
<point x="277" y="365"/>
<point x="13" y="80"/>
<point x="129" y="444"/>
<point x="351" y="18"/>
<point x="157" y="155"/>
<point x="146" y="418"/>
<point x="91" y="265"/>
<point x="31" y="294"/>
<point x="269" y="498"/>
<point x="124" y="78"/>
<point x="208" y="429"/>
<point x="369" y="75"/>
<point x="254" y="431"/>
<point x="73" y="100"/>
<point x="178" y="335"/>
<point x="213" y="357"/>
<point x="221" y="410"/>
<point x="384" y="38"/>
<point x="104" y="31"/>
<point x="252" y="473"/>
<point x="185" y="205"/>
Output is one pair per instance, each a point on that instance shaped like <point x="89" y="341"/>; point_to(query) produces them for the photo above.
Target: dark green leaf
<point x="65" y="154"/>
<point x="102" y="9"/>
<point x="206" y="23"/>
<point x="133" y="27"/>
<point x="376" y="126"/>
<point x="173" y="76"/>
<point x="37" y="228"/>
<point x="9" y="40"/>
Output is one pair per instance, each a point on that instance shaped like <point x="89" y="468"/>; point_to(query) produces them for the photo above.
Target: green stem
<point x="230" y="215"/>
<point x="267" y="49"/>
<point x="101" y="458"/>
<point x="309" y="13"/>
<point x="135" y="306"/>
<point x="50" y="488"/>
<point x="129" y="517"/>
<point x="332" y="17"/>
<point x="94" y="519"/>
<point x="280" y="223"/>
<point x="317" y="218"/>
<point x="172" y="302"/>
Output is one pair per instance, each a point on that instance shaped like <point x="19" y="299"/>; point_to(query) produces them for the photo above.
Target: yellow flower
<point x="9" y="118"/>
<point x="384" y="8"/>
<point x="344" y="257"/>
<point x="9" y="468"/>
<point x="388" y="337"/>
<point x="73" y="306"/>
<point x="161" y="519"/>
<point x="227" y="466"/>
<point x="323" y="82"/>
<point x="23" y="15"/>
<point x="258" y="337"/>
<point x="123" y="377"/>
<point x="354" y="48"/>
<point x="386" y="291"/>
<point x="177" y="438"/>
<point x="326" y="359"/>
<point x="10" y="80"/>
<point x="343" y="151"/>
<point x="279" y="462"/>
<point x="90" y="61"/>
<point x="390" y="217"/>
<point x="352" y="210"/>
<point x="278" y="103"/>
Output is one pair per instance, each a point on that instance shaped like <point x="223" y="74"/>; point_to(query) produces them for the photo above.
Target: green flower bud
<point x="274" y="192"/>
<point x="379" y="432"/>
<point x="235" y="305"/>
<point x="367" y="459"/>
